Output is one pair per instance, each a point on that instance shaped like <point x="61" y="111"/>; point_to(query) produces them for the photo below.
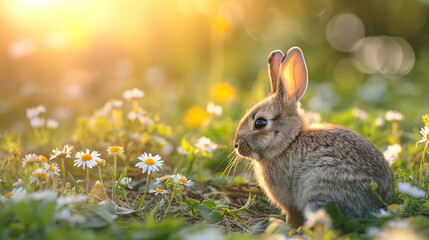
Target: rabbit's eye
<point x="260" y="123"/>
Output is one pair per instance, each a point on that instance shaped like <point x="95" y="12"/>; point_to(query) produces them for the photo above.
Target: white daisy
<point x="214" y="109"/>
<point x="360" y="114"/>
<point x="126" y="182"/>
<point x="145" y="120"/>
<point x="136" y="114"/>
<point x="318" y="217"/>
<point x="425" y="134"/>
<point x="18" y="183"/>
<point x="15" y="196"/>
<point x="205" y="144"/>
<point x="182" y="152"/>
<point x="29" y="158"/>
<point x="392" y="153"/>
<point x="133" y="94"/>
<point x="70" y="199"/>
<point x="101" y="162"/>
<point x="379" y="121"/>
<point x="87" y="159"/>
<point x="162" y="179"/>
<point x="158" y="191"/>
<point x="113" y="103"/>
<point x="182" y="180"/>
<point x="66" y="152"/>
<point x="47" y="195"/>
<point x="52" y="169"/>
<point x="394" y="116"/>
<point x="35" y="111"/>
<point x="43" y="159"/>
<point x="410" y="190"/>
<point x="149" y="162"/>
<point x="382" y="214"/>
<point x="115" y="150"/>
<point x="39" y="176"/>
<point x="37" y="122"/>
<point x="52" y="123"/>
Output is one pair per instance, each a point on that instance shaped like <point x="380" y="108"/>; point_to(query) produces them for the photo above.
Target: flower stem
<point x="139" y="203"/>
<point x="395" y="131"/>
<point x="421" y="162"/>
<point x="115" y="169"/>
<point x="171" y="200"/>
<point x="63" y="166"/>
<point x="87" y="178"/>
<point x="157" y="207"/>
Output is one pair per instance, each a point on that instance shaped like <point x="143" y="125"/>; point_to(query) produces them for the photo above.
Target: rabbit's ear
<point x="274" y="61"/>
<point x="293" y="74"/>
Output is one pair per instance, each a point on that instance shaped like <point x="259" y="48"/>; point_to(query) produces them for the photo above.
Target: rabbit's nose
<point x="235" y="142"/>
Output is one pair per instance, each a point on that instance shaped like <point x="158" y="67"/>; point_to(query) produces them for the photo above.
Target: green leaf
<point x="209" y="203"/>
<point x="123" y="174"/>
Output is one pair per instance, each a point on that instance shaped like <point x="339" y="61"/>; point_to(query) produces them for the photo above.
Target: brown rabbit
<point x="303" y="166"/>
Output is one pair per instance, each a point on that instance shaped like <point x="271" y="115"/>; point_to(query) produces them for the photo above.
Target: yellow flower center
<point x="8" y="195"/>
<point x="43" y="158"/>
<point x="206" y="144"/>
<point x="149" y="161"/>
<point x="183" y="180"/>
<point x="51" y="169"/>
<point x="195" y="117"/>
<point x="114" y="148"/>
<point x="112" y="100"/>
<point x="427" y="135"/>
<point x="86" y="157"/>
<point x="159" y="190"/>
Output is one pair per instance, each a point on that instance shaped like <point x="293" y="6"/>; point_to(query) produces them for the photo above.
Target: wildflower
<point x="410" y="190"/>
<point x="101" y="162"/>
<point x="43" y="159"/>
<point x="379" y="121"/>
<point x="149" y="162"/>
<point x="360" y="114"/>
<point x="158" y="191"/>
<point x="182" y="180"/>
<point x="113" y="103"/>
<point x="70" y="199"/>
<point x="136" y="114"/>
<point x="115" y="150"/>
<point x="393" y="208"/>
<point x="392" y="153"/>
<point x="133" y="94"/>
<point x="205" y="144"/>
<point x="223" y="92"/>
<point x="214" y="109"/>
<point x="52" y="123"/>
<point x="394" y="116"/>
<point x="382" y="214"/>
<point x="66" y="152"/>
<point x="52" y="169"/>
<point x="145" y="120"/>
<point x="37" y="122"/>
<point x="35" y="111"/>
<point x="163" y="178"/>
<point x="182" y="152"/>
<point x="86" y="159"/>
<point x="196" y="117"/>
<point x="40" y="176"/>
<point x="47" y="195"/>
<point x="15" y="196"/>
<point x="425" y="134"/>
<point x="18" y="183"/>
<point x="125" y="182"/>
<point x="318" y="217"/>
<point x="66" y="216"/>
<point x="29" y="158"/>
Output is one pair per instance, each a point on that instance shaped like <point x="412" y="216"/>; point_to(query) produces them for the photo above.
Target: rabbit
<point x="302" y="166"/>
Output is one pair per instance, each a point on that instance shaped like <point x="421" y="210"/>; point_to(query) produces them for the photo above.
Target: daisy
<point x="214" y="109"/>
<point x="52" y="169"/>
<point x="318" y="217"/>
<point x="182" y="152"/>
<point x="205" y="144"/>
<point x="29" y="158"/>
<point x="52" y="123"/>
<point x="86" y="159"/>
<point x="182" y="180"/>
<point x="37" y="122"/>
<point x="125" y="182"/>
<point x="360" y="114"/>
<point x="113" y="103"/>
<point x="39" y="176"/>
<point x="66" y="152"/>
<point x="43" y="159"/>
<point x="133" y="94"/>
<point x="16" y="195"/>
<point x="145" y="120"/>
<point x="425" y="134"/>
<point x="163" y="178"/>
<point x="158" y="191"/>
<point x="149" y="162"/>
<point x="392" y="153"/>
<point x="394" y="116"/>
<point x="382" y="214"/>
<point x="101" y="162"/>
<point x="379" y="121"/>
<point x="115" y="150"/>
<point x="410" y="190"/>
<point x="136" y="114"/>
<point x="18" y="183"/>
<point x="35" y="111"/>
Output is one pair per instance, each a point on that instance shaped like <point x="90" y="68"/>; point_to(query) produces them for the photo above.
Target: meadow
<point x="120" y="124"/>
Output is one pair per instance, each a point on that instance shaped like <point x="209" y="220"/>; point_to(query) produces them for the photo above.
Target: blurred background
<point x="74" y="55"/>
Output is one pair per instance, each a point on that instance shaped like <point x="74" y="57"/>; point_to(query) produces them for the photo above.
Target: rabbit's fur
<point x="303" y="166"/>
